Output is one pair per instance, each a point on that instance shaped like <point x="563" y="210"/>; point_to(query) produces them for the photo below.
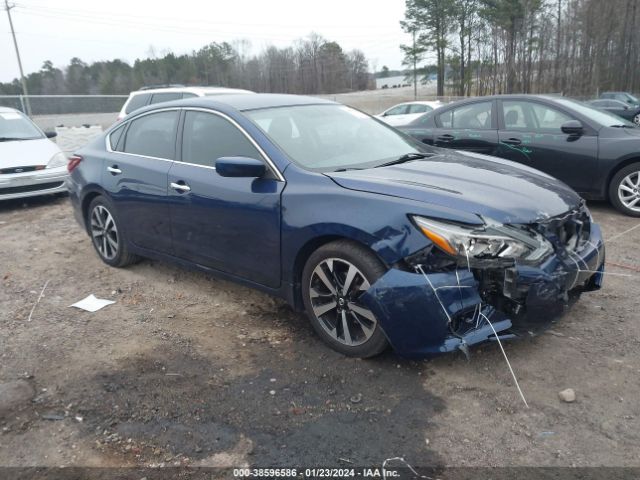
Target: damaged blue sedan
<point x="382" y="240"/>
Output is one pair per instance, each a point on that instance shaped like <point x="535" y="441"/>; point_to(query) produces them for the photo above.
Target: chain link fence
<point x="51" y="111"/>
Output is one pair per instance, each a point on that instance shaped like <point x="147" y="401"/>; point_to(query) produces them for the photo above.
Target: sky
<point x="128" y="29"/>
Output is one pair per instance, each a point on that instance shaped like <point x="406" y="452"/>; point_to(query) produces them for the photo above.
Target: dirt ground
<point x="188" y="370"/>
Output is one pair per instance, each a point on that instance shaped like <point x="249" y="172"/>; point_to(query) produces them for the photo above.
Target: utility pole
<point x="15" y="44"/>
<point x="415" y="72"/>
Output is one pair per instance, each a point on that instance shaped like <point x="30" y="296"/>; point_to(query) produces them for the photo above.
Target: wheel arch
<point x="91" y="192"/>
<point x="307" y="250"/>
<point x="619" y="166"/>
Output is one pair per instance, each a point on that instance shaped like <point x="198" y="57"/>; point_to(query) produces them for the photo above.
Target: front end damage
<point x="431" y="303"/>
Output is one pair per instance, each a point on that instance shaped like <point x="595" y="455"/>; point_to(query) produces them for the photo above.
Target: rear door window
<point x="153" y="135"/>
<point x="137" y="101"/>
<point x="476" y="116"/>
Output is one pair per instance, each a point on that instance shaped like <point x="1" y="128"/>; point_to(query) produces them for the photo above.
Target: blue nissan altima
<point x="382" y="240"/>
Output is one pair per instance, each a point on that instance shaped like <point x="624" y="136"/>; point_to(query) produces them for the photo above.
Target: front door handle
<point x="114" y="170"/>
<point x="180" y="187"/>
<point x="446" y="138"/>
<point x="512" y="141"/>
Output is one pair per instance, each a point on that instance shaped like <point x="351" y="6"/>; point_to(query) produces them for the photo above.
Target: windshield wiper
<point x="407" y="157"/>
<point x="10" y="139"/>
<point x="346" y="169"/>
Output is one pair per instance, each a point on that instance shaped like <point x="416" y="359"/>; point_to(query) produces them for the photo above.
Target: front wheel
<point x="333" y="281"/>
<point x="624" y="190"/>
<point x="107" y="234"/>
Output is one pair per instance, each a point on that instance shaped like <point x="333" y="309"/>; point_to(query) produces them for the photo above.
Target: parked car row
<point x="459" y="228"/>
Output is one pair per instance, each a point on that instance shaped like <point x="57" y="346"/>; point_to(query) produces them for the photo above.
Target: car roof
<point x="508" y="96"/>
<point x="9" y="110"/>
<point x="243" y="102"/>
<point x="192" y="89"/>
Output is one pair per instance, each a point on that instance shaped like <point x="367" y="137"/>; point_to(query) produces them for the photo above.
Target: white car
<point x="150" y="95"/>
<point x="405" y="113"/>
<point x="30" y="163"/>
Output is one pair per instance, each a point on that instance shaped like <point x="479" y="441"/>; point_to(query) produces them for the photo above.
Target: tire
<point x="624" y="190"/>
<point x="329" y="305"/>
<point x="636" y="119"/>
<point x="108" y="238"/>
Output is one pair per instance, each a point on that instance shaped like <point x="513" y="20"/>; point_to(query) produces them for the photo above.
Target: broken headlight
<point x="491" y="240"/>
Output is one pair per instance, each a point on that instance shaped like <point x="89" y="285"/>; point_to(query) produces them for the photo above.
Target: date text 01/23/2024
<point x="310" y="473"/>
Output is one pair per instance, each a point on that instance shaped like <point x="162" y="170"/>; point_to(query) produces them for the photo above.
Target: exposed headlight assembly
<point x="58" y="160"/>
<point x="492" y="240"/>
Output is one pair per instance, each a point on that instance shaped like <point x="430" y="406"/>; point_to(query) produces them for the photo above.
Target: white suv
<point x="150" y="95"/>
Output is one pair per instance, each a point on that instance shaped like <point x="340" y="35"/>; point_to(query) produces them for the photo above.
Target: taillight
<point x="74" y="161"/>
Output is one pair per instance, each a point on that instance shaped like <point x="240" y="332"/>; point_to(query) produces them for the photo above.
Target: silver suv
<point x="167" y="93"/>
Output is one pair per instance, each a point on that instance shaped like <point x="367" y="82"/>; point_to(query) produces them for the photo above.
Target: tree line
<point x="574" y="47"/>
<point x="313" y="65"/>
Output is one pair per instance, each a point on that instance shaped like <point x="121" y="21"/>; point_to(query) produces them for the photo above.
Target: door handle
<point x="180" y="187"/>
<point x="512" y="141"/>
<point x="446" y="138"/>
<point x="114" y="170"/>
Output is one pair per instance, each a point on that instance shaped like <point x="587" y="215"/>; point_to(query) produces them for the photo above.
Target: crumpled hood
<point x="478" y="184"/>
<point x="24" y="153"/>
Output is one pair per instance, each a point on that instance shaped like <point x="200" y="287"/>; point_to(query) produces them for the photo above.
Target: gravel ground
<point x="187" y="369"/>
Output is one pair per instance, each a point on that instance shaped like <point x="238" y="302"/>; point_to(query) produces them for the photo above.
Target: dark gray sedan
<point x="593" y="151"/>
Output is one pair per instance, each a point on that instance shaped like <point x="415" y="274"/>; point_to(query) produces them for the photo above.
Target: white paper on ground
<point x="92" y="304"/>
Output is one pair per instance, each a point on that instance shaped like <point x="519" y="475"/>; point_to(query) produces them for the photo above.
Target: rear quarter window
<point x="115" y="136"/>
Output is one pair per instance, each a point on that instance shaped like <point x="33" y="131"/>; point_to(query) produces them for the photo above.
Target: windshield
<point x="15" y="126"/>
<point x="332" y="137"/>
<point x="601" y="117"/>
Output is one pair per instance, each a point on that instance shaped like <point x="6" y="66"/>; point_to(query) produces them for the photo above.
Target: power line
<point x="25" y="92"/>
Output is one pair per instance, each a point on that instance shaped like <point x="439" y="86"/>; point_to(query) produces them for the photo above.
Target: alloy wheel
<point x="104" y="232"/>
<point x="629" y="191"/>
<point x="636" y="119"/>
<point x="335" y="288"/>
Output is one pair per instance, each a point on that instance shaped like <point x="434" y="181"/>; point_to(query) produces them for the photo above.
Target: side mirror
<point x="51" y="134"/>
<point x="240" y="167"/>
<point x="626" y="107"/>
<point x="572" y="127"/>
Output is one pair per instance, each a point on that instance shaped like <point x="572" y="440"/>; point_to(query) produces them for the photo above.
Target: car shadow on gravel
<point x="317" y="409"/>
<point x="15" y="204"/>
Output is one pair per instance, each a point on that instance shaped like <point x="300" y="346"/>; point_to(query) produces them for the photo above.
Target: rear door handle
<point x="180" y="187"/>
<point x="446" y="138"/>
<point x="114" y="170"/>
<point x="512" y="141"/>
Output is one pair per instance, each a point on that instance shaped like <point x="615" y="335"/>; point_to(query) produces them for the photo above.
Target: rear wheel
<point x="107" y="234"/>
<point x="624" y="190"/>
<point x="333" y="282"/>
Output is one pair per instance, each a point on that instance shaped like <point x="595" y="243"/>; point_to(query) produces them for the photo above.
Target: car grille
<point x="31" y="168"/>
<point x="570" y="231"/>
<point x="30" y="188"/>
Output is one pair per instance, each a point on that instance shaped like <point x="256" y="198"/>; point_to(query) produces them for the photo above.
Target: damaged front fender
<point x="417" y="312"/>
<point x="424" y="313"/>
